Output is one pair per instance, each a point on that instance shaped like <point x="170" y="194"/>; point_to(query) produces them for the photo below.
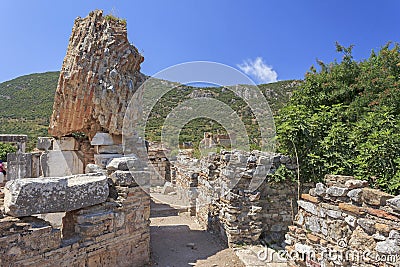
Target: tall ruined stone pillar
<point x="99" y="76"/>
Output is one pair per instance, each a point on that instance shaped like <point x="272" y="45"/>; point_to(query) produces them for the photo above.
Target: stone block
<point x="19" y="165"/>
<point x="334" y="214"/>
<point x="111" y="149"/>
<point x="125" y="164"/>
<point x="24" y="197"/>
<point x="336" y="180"/>
<point x="93" y="168"/>
<point x="375" y="197"/>
<point x="352" y="184"/>
<point x="103" y="160"/>
<point x="336" y="191"/>
<point x="320" y="189"/>
<point x="355" y="194"/>
<point x="61" y="163"/>
<point x="361" y="240"/>
<point x="105" y="139"/>
<point x="66" y="143"/>
<point x="388" y="247"/>
<point x="367" y="224"/>
<point x="394" y="203"/>
<point x="123" y="178"/>
<point x="307" y="206"/>
<point x="168" y="188"/>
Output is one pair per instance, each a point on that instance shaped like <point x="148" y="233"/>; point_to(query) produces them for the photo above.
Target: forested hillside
<point x="26" y="106"/>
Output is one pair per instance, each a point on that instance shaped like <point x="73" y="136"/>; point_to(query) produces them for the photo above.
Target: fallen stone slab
<point x="25" y="197"/>
<point x="125" y="164"/>
<point x="93" y="168"/>
<point x="104" y="159"/>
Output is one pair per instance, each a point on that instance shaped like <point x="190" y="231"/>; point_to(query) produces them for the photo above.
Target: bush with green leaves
<point x="344" y="119"/>
<point x="6" y="148"/>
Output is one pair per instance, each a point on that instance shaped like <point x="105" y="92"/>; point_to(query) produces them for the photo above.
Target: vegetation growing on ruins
<point x="344" y="119"/>
<point x="111" y="17"/>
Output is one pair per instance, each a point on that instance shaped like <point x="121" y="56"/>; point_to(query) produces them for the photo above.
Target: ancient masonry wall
<point x="342" y="222"/>
<point x="113" y="233"/>
<point x="162" y="167"/>
<point x="225" y="205"/>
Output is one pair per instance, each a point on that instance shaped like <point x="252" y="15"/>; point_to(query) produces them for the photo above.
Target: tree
<point x="344" y="119"/>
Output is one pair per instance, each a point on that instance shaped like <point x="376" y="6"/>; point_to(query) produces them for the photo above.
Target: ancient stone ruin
<point x="105" y="213"/>
<point x="82" y="197"/>
<point x="100" y="64"/>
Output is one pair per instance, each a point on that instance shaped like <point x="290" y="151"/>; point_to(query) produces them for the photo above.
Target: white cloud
<point x="259" y="70"/>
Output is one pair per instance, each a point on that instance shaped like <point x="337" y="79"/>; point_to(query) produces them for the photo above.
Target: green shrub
<point x="344" y="119"/>
<point x="6" y="148"/>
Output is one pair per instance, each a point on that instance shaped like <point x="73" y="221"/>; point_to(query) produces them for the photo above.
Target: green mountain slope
<point x="277" y="94"/>
<point x="26" y="106"/>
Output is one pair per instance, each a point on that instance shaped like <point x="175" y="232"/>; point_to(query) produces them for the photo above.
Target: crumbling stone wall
<point x="342" y="222"/>
<point x="99" y="76"/>
<point x="185" y="177"/>
<point x="106" y="220"/>
<point x="161" y="164"/>
<point x="223" y="203"/>
<point x="113" y="233"/>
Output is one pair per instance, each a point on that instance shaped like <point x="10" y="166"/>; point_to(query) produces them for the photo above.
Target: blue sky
<point x="269" y="40"/>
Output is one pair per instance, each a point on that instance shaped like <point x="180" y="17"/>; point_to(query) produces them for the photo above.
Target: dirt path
<point x="178" y="241"/>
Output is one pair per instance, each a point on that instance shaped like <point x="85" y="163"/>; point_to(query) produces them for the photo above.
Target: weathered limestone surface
<point x="57" y="163"/>
<point x="24" y="197"/>
<point x="99" y="76"/>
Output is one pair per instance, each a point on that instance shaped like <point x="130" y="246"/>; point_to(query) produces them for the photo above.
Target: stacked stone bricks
<point x="342" y="222"/>
<point x="113" y="233"/>
<point x="218" y="187"/>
